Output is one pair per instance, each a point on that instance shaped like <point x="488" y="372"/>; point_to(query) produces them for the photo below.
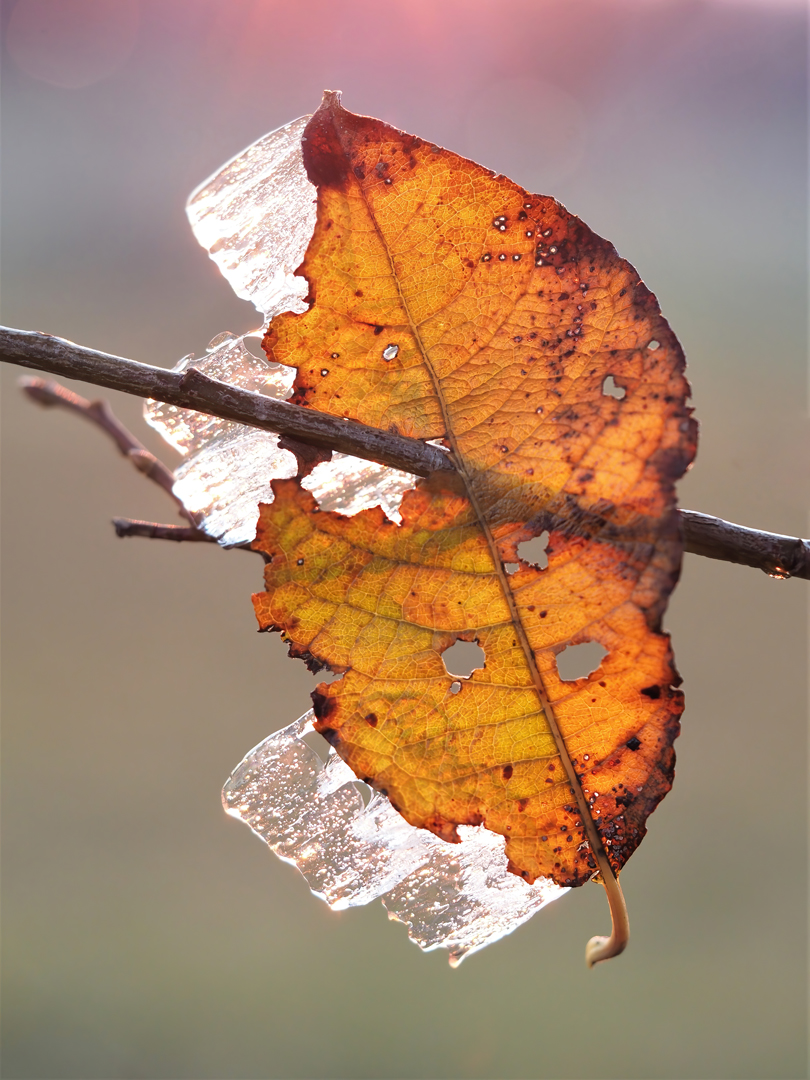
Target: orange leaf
<point x="448" y="303"/>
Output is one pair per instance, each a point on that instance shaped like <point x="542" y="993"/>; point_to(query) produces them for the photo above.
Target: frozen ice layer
<point x="459" y="897"/>
<point x="230" y="466"/>
<point x="228" y="360"/>
<point x="255" y="218"/>
<point x="348" y="484"/>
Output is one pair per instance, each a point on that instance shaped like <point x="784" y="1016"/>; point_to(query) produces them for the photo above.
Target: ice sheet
<point x="255" y="217"/>
<point x="459" y="897"/>
<point x="230" y="466"/>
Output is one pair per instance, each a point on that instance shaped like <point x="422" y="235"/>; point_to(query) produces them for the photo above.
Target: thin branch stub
<point x="153" y="530"/>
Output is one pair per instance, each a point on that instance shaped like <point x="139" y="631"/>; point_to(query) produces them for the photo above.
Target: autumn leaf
<point x="447" y="303"/>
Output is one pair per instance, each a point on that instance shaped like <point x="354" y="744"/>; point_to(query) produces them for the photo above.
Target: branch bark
<point x="777" y="555"/>
<point x="153" y="530"/>
<point x="193" y="390"/>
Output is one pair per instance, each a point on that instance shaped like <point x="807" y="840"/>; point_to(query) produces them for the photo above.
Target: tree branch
<point x="777" y="555"/>
<point x="193" y="390"/>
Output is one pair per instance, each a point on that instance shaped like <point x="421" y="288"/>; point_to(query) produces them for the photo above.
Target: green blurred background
<point x="145" y="933"/>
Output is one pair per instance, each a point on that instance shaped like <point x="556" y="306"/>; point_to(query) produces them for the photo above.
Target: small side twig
<point x="155" y="531"/>
<point x="51" y="394"/>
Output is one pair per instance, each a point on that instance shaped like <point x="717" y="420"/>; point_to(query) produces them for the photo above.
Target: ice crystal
<point x="459" y="897"/>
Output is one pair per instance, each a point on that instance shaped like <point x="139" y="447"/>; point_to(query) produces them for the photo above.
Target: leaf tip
<point x="325" y="158"/>
<point x="331" y="100"/>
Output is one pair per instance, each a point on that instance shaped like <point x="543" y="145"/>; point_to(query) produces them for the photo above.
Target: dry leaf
<point x="446" y="302"/>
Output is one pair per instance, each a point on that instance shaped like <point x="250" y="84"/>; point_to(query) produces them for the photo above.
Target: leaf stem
<point x="603" y="948"/>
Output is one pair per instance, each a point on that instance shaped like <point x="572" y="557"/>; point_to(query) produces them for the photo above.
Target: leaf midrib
<point x="582" y="804"/>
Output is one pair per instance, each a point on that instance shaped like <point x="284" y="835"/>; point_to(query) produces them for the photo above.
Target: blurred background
<point x="145" y="933"/>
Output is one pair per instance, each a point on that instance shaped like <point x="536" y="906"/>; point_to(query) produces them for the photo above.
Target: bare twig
<point x="777" y="555"/>
<point x="780" y="556"/>
<point x="154" y="531"/>
<point x="193" y="390"/>
<point x="52" y="394"/>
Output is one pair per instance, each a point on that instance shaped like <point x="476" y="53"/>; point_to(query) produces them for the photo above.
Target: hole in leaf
<point x="455" y="687"/>
<point x="511" y="567"/>
<point x="610" y="389"/>
<point x="654" y="344"/>
<point x="534" y="551"/>
<point x="577" y="661"/>
<point x="463" y="659"/>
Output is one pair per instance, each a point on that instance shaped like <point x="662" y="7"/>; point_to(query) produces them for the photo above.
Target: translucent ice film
<point x="255" y="217"/>
<point x="229" y="466"/>
<point x="458" y="897"/>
